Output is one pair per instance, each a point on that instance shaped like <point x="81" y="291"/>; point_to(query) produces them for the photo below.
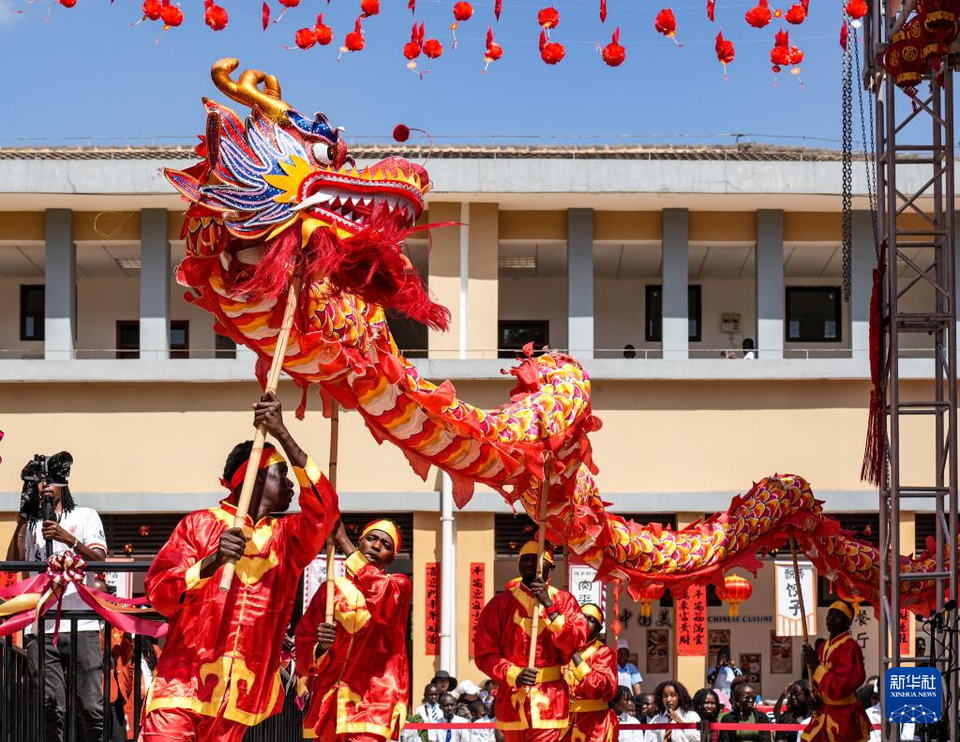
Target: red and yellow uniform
<point x="841" y="717"/>
<point x="593" y="684"/>
<point x="358" y="687"/>
<point x="502" y="643"/>
<point x="219" y="672"/>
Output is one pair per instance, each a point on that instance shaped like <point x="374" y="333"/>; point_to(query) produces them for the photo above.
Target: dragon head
<point x="287" y="183"/>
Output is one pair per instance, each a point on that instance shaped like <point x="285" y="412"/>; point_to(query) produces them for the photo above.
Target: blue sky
<point x="88" y="73"/>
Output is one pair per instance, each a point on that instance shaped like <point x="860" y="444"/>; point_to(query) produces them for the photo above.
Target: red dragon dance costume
<point x="502" y="642"/>
<point x="358" y="687"/>
<point x="219" y="672"/>
<point x="593" y="684"/>
<point x="841" y="718"/>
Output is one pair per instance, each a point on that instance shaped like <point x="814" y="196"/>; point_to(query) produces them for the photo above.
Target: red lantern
<point x="369" y="8"/>
<point x="305" y="38"/>
<point x="462" y="11"/>
<point x="940" y="23"/>
<point x="265" y="16"/>
<point x="548" y="18"/>
<point x="287" y="4"/>
<point x="354" y="42"/>
<point x="151" y="11"/>
<point x="711" y="9"/>
<point x="735" y="590"/>
<point x="844" y="35"/>
<point x="412" y="49"/>
<point x="171" y="15"/>
<point x="725" y="52"/>
<point x="401" y="133"/>
<point x="759" y="15"/>
<point x="432" y="48"/>
<point x="614" y="54"/>
<point x="649" y="592"/>
<point x="497" y="8"/>
<point x="215" y="16"/>
<point x="68" y="3"/>
<point x="903" y="57"/>
<point x="796" y="15"/>
<point x="494" y="50"/>
<point x="666" y="24"/>
<point x="551" y="52"/>
<point x="856" y="9"/>
<point x="322" y="31"/>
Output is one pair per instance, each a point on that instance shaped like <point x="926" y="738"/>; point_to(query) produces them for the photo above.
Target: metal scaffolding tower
<point x="914" y="157"/>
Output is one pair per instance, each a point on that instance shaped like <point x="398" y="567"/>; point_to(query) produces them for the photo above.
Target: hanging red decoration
<point x="401" y="133"/>
<point x="649" y="592"/>
<point x="412" y="6"/>
<point x="144" y="530"/>
<point x="412" y="49"/>
<point x="305" y="38"/>
<point x="759" y="15"/>
<point x="711" y="9"/>
<point x="603" y="11"/>
<point x="265" y="16"/>
<point x="940" y="23"/>
<point x="856" y="9"/>
<point x="171" y="14"/>
<point x="725" y="52"/>
<point x="369" y="8"/>
<point x="615" y="626"/>
<point x="548" y="18"/>
<point x="903" y="57"/>
<point x="68" y="3"/>
<point x="151" y="11"/>
<point x="551" y="52"/>
<point x="796" y="15"/>
<point x="497" y="7"/>
<point x="844" y="33"/>
<point x="215" y="16"/>
<point x="493" y="52"/>
<point x="734" y="591"/>
<point x="354" y="42"/>
<point x="432" y="48"/>
<point x="614" y="54"/>
<point x="666" y="24"/>
<point x="322" y="31"/>
<point x="287" y="4"/>
<point x="462" y="11"/>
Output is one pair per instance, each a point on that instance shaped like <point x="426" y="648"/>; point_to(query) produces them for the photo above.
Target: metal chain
<point x="847" y="152"/>
<point x="868" y="151"/>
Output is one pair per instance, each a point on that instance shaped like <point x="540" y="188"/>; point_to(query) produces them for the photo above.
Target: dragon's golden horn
<point x="247" y="89"/>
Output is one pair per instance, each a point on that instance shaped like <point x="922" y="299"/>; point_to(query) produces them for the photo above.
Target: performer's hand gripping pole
<point x="541" y="544"/>
<point x="332" y="476"/>
<point x="796" y="577"/>
<point x="253" y="466"/>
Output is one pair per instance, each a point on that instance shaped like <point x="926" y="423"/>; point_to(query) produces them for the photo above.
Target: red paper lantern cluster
<point x="784" y="55"/>
<point x="320" y="34"/>
<point x="494" y="50"/>
<point x="921" y="44"/>
<point x="734" y="591"/>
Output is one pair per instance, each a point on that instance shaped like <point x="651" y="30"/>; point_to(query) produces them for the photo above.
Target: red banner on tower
<point x="906" y="621"/>
<point x="432" y="612"/>
<point x="692" y="623"/>
<point x="478" y="585"/>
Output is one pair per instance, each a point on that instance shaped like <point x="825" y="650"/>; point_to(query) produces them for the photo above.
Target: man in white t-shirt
<point x="67" y="528"/>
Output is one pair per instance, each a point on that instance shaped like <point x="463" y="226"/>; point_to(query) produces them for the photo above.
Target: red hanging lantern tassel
<point x="649" y="592"/>
<point x="493" y="53"/>
<point x="725" y="52"/>
<point x="287" y="4"/>
<point x="797" y="14"/>
<point x="354" y="41"/>
<point x="551" y="52"/>
<point x="734" y="591"/>
<point x="759" y="15"/>
<point x="666" y="24"/>
<point x="614" y="54"/>
<point x="711" y="9"/>
<point x="873" y="452"/>
<point x="462" y="11"/>
<point x="215" y="16"/>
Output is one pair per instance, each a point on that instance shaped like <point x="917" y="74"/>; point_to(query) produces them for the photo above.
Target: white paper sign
<point x="316" y="574"/>
<point x="789" y="622"/>
<point x="585" y="587"/>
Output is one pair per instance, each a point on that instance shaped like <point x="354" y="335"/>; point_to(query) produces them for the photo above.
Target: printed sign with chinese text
<point x="789" y="622"/>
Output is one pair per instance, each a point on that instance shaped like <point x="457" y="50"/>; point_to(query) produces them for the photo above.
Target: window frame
<point x="176" y="351"/>
<point x="789" y="291"/>
<point x="39" y="334"/>
<point x="654" y="333"/>
<point x="506" y="351"/>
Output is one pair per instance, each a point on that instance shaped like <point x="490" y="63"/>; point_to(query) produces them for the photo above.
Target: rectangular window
<point x="814" y="314"/>
<point x="224" y="347"/>
<point x="653" y="327"/>
<point x="512" y="335"/>
<point x="128" y="339"/>
<point x="32" y="312"/>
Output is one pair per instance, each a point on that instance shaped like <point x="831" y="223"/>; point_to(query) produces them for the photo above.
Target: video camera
<point x="53" y="469"/>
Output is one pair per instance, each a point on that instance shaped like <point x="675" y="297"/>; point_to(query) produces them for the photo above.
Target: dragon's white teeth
<point x="367" y="200"/>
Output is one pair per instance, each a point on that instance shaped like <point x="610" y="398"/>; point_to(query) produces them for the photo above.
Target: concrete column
<point x="426" y="551"/>
<point x="60" y="280"/>
<point x="155" y="275"/>
<point x="580" y="282"/>
<point x="676" y="321"/>
<point x="863" y="261"/>
<point x="769" y="284"/>
<point x="475" y="545"/>
<point x="443" y="278"/>
<point x="483" y="287"/>
<point x="690" y="671"/>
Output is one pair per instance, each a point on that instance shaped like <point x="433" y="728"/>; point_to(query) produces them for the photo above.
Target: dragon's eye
<point x="324" y="153"/>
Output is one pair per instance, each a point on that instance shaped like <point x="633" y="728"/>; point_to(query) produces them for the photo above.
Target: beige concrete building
<point x="651" y="265"/>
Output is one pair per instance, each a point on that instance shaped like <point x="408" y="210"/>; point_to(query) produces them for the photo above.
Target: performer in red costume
<point x="219" y="672"/>
<point x="837" y="671"/>
<point x="533" y="703"/>
<point x="356" y="667"/>
<point x="592" y="677"/>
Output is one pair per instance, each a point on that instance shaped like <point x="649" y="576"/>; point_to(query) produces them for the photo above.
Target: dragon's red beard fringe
<point x="369" y="264"/>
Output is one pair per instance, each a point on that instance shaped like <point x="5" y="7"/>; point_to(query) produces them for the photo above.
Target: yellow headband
<point x="388" y="527"/>
<point x="275" y="457"/>
<point x="532" y="547"/>
<point x="593" y="612"/>
<point x="843" y="607"/>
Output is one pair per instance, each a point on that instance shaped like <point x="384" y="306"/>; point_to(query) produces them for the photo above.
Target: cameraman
<point x="48" y="516"/>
